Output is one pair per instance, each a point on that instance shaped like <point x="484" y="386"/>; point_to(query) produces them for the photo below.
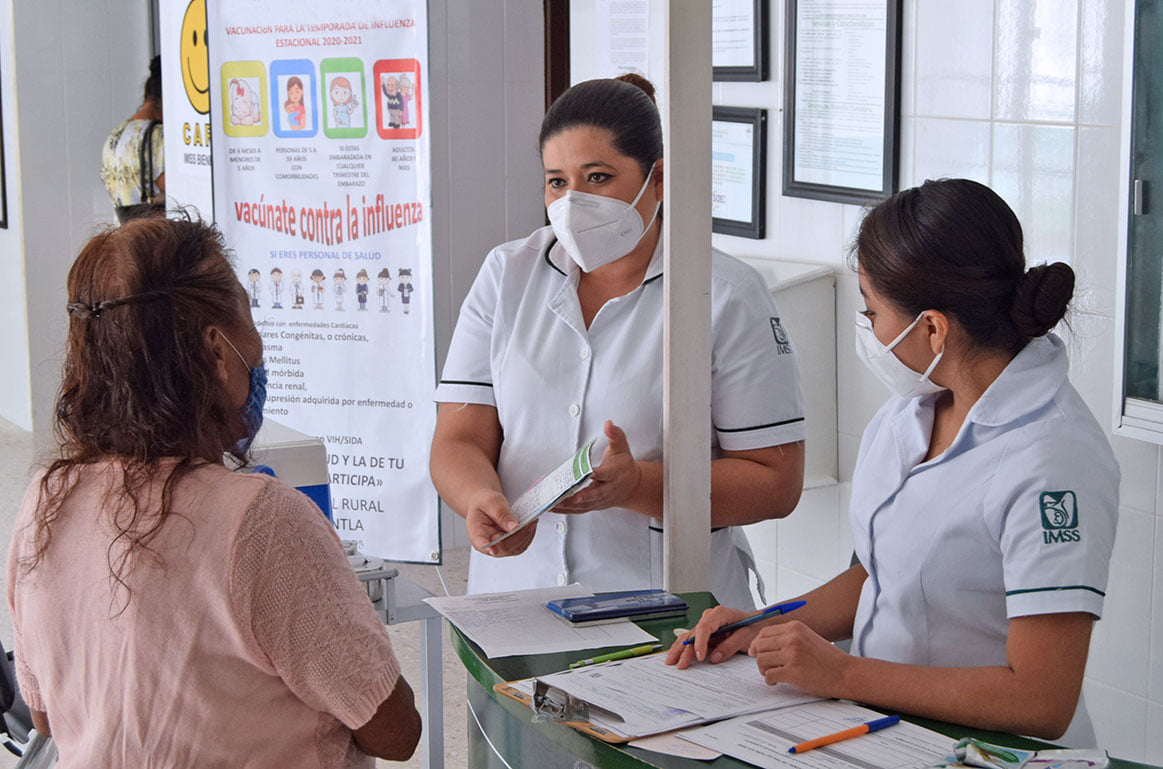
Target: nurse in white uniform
<point x="984" y="498"/>
<point x="560" y="341"/>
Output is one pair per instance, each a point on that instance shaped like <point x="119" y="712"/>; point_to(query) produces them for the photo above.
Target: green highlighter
<point x="625" y="654"/>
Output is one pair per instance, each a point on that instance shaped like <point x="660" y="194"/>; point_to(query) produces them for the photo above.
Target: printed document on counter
<point x="644" y="695"/>
<point x="764" y="739"/>
<point x="517" y="622"/>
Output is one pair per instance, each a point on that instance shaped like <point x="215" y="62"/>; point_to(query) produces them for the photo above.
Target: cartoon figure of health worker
<point x="317" y="279"/>
<point x="244" y="103"/>
<point x="253" y="289"/>
<point x="361" y="289"/>
<point x="340" y="288"/>
<point x="276" y="289"/>
<point x="343" y="102"/>
<point x="405" y="287"/>
<point x="384" y="278"/>
<point x="293" y="106"/>
<point x="297" y="286"/>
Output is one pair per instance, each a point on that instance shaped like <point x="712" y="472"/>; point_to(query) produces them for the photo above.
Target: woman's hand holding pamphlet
<point x="567" y="478"/>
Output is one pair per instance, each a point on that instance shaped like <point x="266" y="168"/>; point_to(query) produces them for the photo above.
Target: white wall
<point x="79" y="69"/>
<point x="15" y="385"/>
<point x="488" y="97"/>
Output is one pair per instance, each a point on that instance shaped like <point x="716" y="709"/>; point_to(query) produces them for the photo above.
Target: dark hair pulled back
<point x="140" y="386"/>
<point x="153" y="85"/>
<point x="624" y="106"/>
<point x="954" y="245"/>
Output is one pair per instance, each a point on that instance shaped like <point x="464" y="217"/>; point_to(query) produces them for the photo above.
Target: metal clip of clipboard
<point x="551" y="702"/>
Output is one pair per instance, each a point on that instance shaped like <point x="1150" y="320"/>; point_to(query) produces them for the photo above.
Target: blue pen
<point x="768" y="613"/>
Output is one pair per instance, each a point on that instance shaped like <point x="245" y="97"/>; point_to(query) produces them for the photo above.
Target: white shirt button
<point x="574" y="409"/>
<point x="561" y="579"/>
<point x="585" y="353"/>
<point x="560" y="527"/>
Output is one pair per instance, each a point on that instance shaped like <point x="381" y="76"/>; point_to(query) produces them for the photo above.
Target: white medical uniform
<point x="522" y="346"/>
<point x="1016" y="518"/>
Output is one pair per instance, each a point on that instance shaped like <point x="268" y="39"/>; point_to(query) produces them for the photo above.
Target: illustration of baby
<point x="293" y="106"/>
<point x="317" y="279"/>
<point x="244" y="103"/>
<point x="343" y="102"/>
<point x="297" y="285"/>
<point x="408" y="95"/>
<point x="405" y="287"/>
<point x="393" y="101"/>
<point x="383" y="278"/>
<point x="340" y="288"/>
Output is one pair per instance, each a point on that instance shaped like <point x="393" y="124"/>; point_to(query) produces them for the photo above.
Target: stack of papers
<point x="517" y="622"/>
<point x="763" y="739"/>
<point x="644" y="695"/>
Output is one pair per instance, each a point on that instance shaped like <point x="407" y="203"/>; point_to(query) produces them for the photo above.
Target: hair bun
<point x="633" y="78"/>
<point x="1042" y="298"/>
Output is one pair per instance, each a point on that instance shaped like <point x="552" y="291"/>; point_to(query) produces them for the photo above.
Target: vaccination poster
<point x="186" y="105"/>
<point x="322" y="188"/>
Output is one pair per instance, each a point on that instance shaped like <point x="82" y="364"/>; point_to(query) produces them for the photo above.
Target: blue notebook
<point x="636" y="604"/>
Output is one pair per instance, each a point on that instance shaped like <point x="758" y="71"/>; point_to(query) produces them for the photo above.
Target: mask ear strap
<point x="905" y="333"/>
<point x="641" y="192"/>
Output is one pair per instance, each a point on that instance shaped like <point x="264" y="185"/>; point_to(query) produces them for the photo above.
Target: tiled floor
<point x="20" y="452"/>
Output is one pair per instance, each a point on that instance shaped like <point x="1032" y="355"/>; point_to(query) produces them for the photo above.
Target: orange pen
<point x="869" y="726"/>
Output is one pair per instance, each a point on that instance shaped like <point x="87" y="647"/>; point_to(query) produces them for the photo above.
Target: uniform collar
<point x="1027" y="384"/>
<point x="559" y="260"/>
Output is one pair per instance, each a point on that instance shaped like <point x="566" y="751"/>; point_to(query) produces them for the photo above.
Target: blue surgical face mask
<point x="256" y="398"/>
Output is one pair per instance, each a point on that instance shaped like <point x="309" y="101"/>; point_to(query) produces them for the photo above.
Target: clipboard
<point x="573" y="717"/>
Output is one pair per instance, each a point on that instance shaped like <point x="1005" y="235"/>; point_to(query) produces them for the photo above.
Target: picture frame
<point x="842" y="150"/>
<point x="740" y="59"/>
<point x="739" y="172"/>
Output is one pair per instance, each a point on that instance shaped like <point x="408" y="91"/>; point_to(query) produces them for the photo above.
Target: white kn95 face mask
<point x="888" y="368"/>
<point x="596" y="230"/>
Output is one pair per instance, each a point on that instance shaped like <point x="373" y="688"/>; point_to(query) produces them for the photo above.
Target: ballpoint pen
<point x="625" y="654"/>
<point x="768" y="613"/>
<point x="865" y="728"/>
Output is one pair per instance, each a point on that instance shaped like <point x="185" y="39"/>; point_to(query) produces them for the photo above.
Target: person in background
<point x="133" y="158"/>
<point x="168" y="611"/>
<point x="984" y="497"/>
<point x="560" y="341"/>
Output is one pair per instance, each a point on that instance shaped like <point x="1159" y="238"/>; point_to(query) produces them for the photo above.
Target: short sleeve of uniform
<point x="1057" y="503"/>
<point x="292" y="586"/>
<point x="755" y="380"/>
<point x="467" y="375"/>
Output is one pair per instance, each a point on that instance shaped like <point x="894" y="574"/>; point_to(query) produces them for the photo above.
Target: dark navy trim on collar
<point x="549" y="261"/>
<point x="463" y="382"/>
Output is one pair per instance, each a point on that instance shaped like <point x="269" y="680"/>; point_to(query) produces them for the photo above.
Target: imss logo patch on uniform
<point x="782" y="343"/>
<point x="1059" y="516"/>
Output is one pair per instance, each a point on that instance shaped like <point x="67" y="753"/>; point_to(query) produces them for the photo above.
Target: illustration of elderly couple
<point x="339" y="287"/>
<point x="398" y="93"/>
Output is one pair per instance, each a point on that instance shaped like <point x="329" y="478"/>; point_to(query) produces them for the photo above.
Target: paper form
<point x="764" y="739"/>
<point x="646" y="696"/>
<point x="672" y="745"/>
<point x="517" y="622"/>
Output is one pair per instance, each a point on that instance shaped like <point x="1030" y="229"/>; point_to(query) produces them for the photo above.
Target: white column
<point x="686" y="122"/>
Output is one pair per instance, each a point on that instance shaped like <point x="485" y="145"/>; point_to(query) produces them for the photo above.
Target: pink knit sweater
<point x="247" y="641"/>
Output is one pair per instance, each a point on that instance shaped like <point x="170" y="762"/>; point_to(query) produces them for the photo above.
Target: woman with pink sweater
<point x="167" y="611"/>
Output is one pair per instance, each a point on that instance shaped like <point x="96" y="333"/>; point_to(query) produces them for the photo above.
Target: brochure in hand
<point x="569" y="477"/>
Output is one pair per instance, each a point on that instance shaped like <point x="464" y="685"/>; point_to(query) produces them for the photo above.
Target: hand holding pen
<point x="723" y="622"/>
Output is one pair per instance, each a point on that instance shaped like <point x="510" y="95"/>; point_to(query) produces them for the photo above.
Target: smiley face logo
<point x="195" y="57"/>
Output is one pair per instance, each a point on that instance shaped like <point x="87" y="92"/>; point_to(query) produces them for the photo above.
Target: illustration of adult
<point x="560" y="341"/>
<point x="384" y="279"/>
<point x="405" y="287"/>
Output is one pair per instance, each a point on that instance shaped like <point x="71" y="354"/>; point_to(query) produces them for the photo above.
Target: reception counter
<point x="502" y="733"/>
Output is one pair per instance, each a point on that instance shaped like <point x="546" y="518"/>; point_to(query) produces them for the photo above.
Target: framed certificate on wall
<point x="739" y="32"/>
<point x="738" y="176"/>
<point x="841" y="97"/>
